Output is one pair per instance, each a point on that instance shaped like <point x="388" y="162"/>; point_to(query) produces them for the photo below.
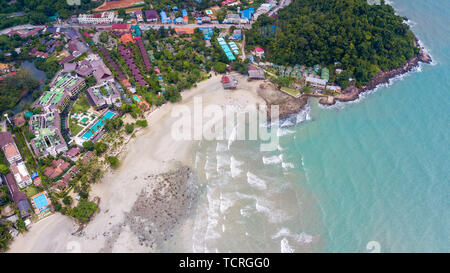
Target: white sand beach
<point x="153" y="151"/>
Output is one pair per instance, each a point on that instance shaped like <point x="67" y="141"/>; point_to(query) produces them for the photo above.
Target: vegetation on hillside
<point x="12" y="88"/>
<point x="363" y="38"/>
<point x="37" y="12"/>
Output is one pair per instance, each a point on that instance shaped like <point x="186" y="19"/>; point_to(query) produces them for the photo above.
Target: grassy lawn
<point x="291" y="91"/>
<point x="74" y="127"/>
<point x="81" y="105"/>
<point x="31" y="190"/>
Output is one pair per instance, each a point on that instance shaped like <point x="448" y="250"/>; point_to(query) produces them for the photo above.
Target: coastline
<point x="145" y="160"/>
<point x="351" y="93"/>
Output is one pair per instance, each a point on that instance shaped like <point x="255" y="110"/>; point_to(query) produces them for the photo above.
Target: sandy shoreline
<point x="122" y="191"/>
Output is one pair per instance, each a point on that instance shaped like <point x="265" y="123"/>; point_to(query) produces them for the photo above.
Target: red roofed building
<point x="120" y="27"/>
<point x="229" y="82"/>
<point x="126" y="38"/>
<point x="259" y="52"/>
<point x="73" y="153"/>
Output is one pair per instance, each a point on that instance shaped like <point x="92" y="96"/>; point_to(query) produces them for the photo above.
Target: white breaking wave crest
<point x="225" y="203"/>
<point x="271" y="160"/>
<point x="256" y="182"/>
<point x="362" y="96"/>
<point x="285" y="247"/>
<point x="213" y="217"/>
<point x="234" y="167"/>
<point x="284" y="132"/>
<point x="299" y="238"/>
<point x="287" y="165"/>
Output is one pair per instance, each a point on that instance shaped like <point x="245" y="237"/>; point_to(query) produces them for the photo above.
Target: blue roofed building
<point x="175" y="9"/>
<point x="247" y="13"/>
<point x="179" y="20"/>
<point x="164" y="18"/>
<point x="184" y="12"/>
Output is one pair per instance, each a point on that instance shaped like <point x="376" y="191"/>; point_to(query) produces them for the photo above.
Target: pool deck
<point x="99" y="123"/>
<point x="43" y="209"/>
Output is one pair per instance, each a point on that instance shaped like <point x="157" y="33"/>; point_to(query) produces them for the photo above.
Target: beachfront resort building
<point x="103" y="95"/>
<point x="316" y="83"/>
<point x="64" y="87"/>
<point x="48" y="139"/>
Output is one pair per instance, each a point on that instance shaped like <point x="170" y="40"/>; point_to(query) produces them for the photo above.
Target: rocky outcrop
<point x="352" y="92"/>
<point x="288" y="105"/>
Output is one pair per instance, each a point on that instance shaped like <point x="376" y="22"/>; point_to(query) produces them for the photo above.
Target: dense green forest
<point x="39" y="11"/>
<point x="12" y="87"/>
<point x="363" y="38"/>
<point x="164" y="4"/>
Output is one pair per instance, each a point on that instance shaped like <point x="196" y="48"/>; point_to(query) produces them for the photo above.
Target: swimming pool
<point x="98" y="125"/>
<point x="136" y="98"/>
<point x="41" y="202"/>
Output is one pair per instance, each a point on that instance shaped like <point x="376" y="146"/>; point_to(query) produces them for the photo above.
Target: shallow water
<point x="372" y="170"/>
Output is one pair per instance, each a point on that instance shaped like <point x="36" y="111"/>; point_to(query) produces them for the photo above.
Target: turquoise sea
<point x="370" y="175"/>
<point x="380" y="167"/>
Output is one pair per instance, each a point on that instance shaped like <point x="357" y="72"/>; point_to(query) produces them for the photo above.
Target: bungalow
<point x="164" y="19"/>
<point x="258" y="52"/>
<point x="247" y="13"/>
<point x="19" y="120"/>
<point x="229" y="82"/>
<point x="73" y="153"/>
<point x="255" y="73"/>
<point x="151" y="16"/>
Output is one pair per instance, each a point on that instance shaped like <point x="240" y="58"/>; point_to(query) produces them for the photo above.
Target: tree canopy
<point x="363" y="38"/>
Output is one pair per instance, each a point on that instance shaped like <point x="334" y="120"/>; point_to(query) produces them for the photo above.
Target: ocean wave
<point x="225" y="203"/>
<point x="272" y="160"/>
<point x="299" y="238"/>
<point x="209" y="167"/>
<point x="267" y="207"/>
<point x="287" y="165"/>
<point x="234" y="167"/>
<point x="246" y="211"/>
<point x="284" y="132"/>
<point x="339" y="105"/>
<point x="222" y="163"/>
<point x="256" y="182"/>
<point x="285" y="247"/>
<point x="213" y="217"/>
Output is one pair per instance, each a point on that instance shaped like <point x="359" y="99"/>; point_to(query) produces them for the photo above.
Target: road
<point x="157" y="26"/>
<point x="282" y="4"/>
